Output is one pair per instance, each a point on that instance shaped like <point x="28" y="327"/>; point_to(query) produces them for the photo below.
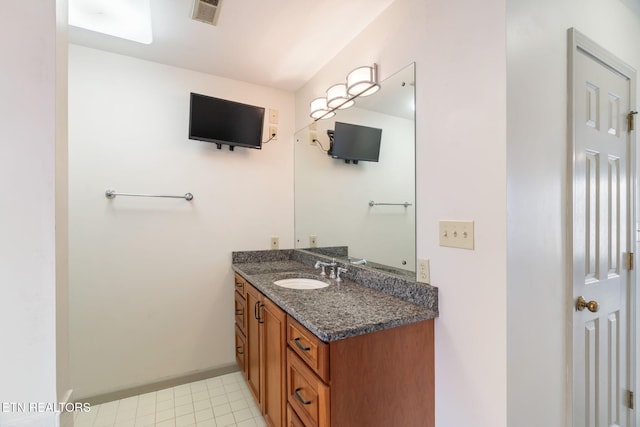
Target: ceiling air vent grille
<point x="206" y="11"/>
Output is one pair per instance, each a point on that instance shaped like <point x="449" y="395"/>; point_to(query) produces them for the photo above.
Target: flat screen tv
<point x="221" y="121"/>
<point x="354" y="143"/>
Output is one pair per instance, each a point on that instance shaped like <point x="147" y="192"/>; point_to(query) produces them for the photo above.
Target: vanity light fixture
<point x="320" y="110"/>
<point x="337" y="97"/>
<point x="363" y="81"/>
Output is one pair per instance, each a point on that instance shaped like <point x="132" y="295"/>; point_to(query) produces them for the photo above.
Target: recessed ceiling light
<point x="127" y="19"/>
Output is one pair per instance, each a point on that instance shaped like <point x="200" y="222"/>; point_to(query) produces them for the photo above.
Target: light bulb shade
<point x="319" y="109"/>
<point x="337" y="97"/>
<point x="363" y="81"/>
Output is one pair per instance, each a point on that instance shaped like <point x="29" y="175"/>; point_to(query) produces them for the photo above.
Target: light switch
<point x="457" y="234"/>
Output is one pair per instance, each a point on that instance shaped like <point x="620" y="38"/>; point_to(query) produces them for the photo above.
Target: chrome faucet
<point x="332" y="264"/>
<point x="340" y="270"/>
<point x="356" y="261"/>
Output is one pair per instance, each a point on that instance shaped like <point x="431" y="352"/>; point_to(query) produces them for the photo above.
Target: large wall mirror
<point x="364" y="210"/>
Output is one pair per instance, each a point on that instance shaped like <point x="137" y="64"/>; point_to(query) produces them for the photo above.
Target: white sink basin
<point x="300" y="283"/>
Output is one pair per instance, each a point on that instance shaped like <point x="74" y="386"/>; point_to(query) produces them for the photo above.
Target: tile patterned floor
<point x="216" y="402"/>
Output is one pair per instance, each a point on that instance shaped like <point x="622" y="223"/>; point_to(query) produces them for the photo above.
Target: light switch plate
<point x="274" y="116"/>
<point x="457" y="234"/>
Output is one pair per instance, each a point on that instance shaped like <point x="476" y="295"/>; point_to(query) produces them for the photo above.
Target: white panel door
<point x="601" y="210"/>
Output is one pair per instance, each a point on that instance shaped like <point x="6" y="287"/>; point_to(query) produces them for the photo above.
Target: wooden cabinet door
<point x="274" y="363"/>
<point x="253" y="346"/>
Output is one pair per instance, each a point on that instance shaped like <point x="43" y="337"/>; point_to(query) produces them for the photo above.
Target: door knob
<point x="592" y="306"/>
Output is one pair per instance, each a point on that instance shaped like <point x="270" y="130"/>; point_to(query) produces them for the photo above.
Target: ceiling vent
<point x="206" y="11"/>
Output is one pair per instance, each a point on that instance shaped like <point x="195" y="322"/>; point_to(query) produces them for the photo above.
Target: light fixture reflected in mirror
<point x="319" y="109"/>
<point x="337" y="97"/>
<point x="363" y="81"/>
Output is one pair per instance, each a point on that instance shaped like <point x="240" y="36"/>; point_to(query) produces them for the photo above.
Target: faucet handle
<point x="318" y="265"/>
<point x="340" y="270"/>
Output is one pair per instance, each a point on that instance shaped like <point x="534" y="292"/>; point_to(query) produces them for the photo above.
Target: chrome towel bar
<point x="405" y="204"/>
<point x="111" y="194"/>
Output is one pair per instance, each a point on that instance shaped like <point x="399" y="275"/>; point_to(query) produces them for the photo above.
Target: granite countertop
<point x="341" y="310"/>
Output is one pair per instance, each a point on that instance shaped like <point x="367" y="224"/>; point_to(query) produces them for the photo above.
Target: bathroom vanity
<point x="358" y="352"/>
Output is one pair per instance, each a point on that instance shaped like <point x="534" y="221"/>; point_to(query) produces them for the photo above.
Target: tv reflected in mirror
<point x="354" y="143"/>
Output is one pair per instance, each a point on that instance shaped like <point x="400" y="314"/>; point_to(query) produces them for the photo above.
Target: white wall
<point x="538" y="193"/>
<point x="32" y="129"/>
<point x="459" y="50"/>
<point x="150" y="279"/>
<point x="332" y="197"/>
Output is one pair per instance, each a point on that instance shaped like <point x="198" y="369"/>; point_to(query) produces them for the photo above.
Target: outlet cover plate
<point x="275" y="243"/>
<point x="424" y="273"/>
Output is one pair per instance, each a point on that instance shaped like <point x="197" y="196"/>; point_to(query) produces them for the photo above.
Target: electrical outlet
<point x="312" y="138"/>
<point x="313" y="241"/>
<point x="457" y="234"/>
<point x="424" y="272"/>
<point x="274" y="116"/>
<point x="275" y="242"/>
<point x="273" y="133"/>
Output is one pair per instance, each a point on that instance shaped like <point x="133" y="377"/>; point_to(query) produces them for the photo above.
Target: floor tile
<point x="183" y="400"/>
<point x="215" y="402"/>
<point x="225" y="420"/>
<point x="235" y="395"/>
<point x="204" y="415"/>
<point x="167" y="423"/>
<point x="222" y="410"/>
<point x="242" y="415"/>
<point x="184" y="409"/>
<point x="164" y="405"/>
<point x="185" y="420"/>
<point x="167" y="414"/>
<point x="219" y="400"/>
<point x="238" y="404"/>
<point x="200" y="395"/>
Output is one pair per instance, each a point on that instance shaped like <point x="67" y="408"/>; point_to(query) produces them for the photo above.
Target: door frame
<point x="578" y="41"/>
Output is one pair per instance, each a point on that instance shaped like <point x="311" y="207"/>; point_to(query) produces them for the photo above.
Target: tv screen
<point x="355" y="142"/>
<point x="225" y="122"/>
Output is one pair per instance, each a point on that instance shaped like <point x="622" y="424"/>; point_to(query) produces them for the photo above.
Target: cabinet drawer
<point x="292" y="418"/>
<point x="240" y="308"/>
<point x="240" y="284"/>
<point x="306" y="393"/>
<point x="310" y="348"/>
<point x="241" y="347"/>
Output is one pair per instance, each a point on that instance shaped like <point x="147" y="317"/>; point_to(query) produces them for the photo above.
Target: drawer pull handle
<point x="297" y="393"/>
<point x="239" y="285"/>
<point x="239" y="350"/>
<point x="239" y="312"/>
<point x="300" y="346"/>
